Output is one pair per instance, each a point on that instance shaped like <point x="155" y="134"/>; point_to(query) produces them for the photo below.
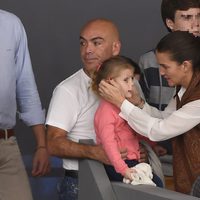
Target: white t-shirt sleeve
<point x="63" y="109"/>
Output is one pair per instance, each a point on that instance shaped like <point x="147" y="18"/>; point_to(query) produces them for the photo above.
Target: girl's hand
<point x="128" y="173"/>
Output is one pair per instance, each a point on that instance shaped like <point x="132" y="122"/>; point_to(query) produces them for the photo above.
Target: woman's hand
<point x="112" y="92"/>
<point x="136" y="99"/>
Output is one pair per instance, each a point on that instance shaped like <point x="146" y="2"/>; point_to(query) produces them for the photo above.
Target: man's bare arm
<point x="60" y="146"/>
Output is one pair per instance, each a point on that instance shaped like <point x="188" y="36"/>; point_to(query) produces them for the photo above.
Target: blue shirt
<point x="17" y="84"/>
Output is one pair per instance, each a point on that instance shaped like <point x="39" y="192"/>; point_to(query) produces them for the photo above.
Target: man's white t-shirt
<point x="72" y="109"/>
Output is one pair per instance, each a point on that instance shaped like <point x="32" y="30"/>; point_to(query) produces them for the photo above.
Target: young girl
<point x="113" y="133"/>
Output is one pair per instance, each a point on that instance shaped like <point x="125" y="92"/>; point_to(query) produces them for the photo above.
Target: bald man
<point x="72" y="107"/>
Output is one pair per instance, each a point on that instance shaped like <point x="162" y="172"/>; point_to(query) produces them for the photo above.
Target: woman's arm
<point x="149" y="122"/>
<point x="177" y="123"/>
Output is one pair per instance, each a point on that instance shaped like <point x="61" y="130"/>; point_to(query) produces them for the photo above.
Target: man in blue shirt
<point x="18" y="94"/>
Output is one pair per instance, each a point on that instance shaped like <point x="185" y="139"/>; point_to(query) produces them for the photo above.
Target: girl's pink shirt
<point x="114" y="133"/>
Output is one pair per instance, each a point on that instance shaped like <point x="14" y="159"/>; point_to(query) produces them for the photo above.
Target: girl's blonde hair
<point x="110" y="68"/>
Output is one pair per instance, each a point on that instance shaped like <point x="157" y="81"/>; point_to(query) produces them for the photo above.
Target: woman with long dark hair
<point x="178" y="55"/>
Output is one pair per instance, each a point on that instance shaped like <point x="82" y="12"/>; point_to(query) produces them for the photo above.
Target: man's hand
<point x="41" y="164"/>
<point x="143" y="154"/>
<point x="159" y="150"/>
<point x="99" y="154"/>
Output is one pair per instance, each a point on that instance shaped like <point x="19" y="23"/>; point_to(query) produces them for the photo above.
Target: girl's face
<point x="173" y="72"/>
<point x="125" y="80"/>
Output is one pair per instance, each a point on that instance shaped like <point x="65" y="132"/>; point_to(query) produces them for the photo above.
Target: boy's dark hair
<point x="169" y="8"/>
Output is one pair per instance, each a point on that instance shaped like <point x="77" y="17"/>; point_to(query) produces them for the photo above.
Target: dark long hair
<point x="181" y="46"/>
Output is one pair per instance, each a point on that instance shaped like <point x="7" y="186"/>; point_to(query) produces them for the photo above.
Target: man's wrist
<point x="40" y="147"/>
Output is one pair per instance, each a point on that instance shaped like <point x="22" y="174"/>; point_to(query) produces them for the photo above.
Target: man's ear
<point x="116" y="48"/>
<point x="170" y="24"/>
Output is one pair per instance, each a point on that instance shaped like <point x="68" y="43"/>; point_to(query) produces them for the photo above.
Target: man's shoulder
<point x="74" y="78"/>
<point x="8" y="17"/>
<point x="76" y="82"/>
